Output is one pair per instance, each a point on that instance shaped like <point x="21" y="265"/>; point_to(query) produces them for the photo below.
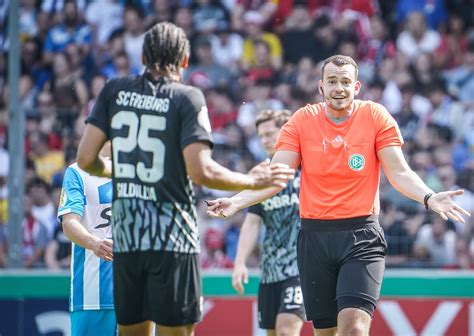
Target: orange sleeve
<point x="289" y="137"/>
<point x="387" y="131"/>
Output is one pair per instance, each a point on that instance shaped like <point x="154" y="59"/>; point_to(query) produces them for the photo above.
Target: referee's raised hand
<point x="443" y="204"/>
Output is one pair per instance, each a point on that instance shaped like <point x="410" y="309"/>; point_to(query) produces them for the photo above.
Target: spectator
<point x="119" y="67"/>
<point x="253" y="27"/>
<point x="407" y="119"/>
<point x="213" y="255"/>
<point x="432" y="10"/>
<point x="183" y="18"/>
<point x="104" y="16"/>
<point x="46" y="161"/>
<point x="297" y="32"/>
<point x="227" y="48"/>
<point x="58" y="250"/>
<point x="379" y="45"/>
<point x="391" y="221"/>
<point x="325" y="38"/>
<point x="206" y="69"/>
<point x="446" y="111"/>
<point x="417" y="37"/>
<point x="461" y="79"/>
<point x="70" y="30"/>
<point x="35" y="237"/>
<point x="48" y="122"/>
<point x="453" y="44"/>
<point x="208" y="15"/>
<point x="436" y="244"/>
<point x="222" y="111"/>
<point x="42" y="207"/>
<point x="133" y="35"/>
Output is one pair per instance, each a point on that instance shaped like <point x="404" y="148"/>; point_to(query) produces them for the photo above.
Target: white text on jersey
<point x="133" y="190"/>
<point x="280" y="201"/>
<point x="146" y="102"/>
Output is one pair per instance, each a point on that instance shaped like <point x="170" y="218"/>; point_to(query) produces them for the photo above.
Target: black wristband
<point x="426" y="198"/>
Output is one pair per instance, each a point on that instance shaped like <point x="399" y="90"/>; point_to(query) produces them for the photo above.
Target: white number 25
<point x="139" y="136"/>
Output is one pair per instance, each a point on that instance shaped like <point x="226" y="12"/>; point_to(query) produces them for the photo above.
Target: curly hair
<point x="165" y="46"/>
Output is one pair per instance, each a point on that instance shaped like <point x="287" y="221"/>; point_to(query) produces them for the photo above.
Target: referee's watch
<point x="426" y="198"/>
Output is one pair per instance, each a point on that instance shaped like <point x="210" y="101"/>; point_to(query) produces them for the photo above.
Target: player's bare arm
<point x="88" y="157"/>
<point x="76" y="232"/>
<point x="203" y="170"/>
<point x="226" y="207"/>
<point x="247" y="241"/>
<point x="406" y="181"/>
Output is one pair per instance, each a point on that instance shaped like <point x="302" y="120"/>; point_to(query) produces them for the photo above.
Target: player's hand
<point x="443" y="204"/>
<point x="267" y="174"/>
<point x="221" y="208"/>
<point x="103" y="249"/>
<point x="240" y="276"/>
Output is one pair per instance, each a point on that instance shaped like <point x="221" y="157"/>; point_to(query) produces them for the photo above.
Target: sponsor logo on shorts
<point x="294" y="306"/>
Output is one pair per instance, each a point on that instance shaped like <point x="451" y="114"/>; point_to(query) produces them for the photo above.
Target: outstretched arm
<point x="225" y="207"/>
<point x="247" y="240"/>
<point x="411" y="185"/>
<point x="203" y="170"/>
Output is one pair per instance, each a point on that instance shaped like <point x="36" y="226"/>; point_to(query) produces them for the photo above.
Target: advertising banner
<point x="238" y="317"/>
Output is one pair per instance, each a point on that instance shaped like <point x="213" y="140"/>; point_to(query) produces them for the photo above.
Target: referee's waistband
<point x="344" y="224"/>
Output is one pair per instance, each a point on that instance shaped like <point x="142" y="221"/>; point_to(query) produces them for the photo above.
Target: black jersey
<point x="280" y="215"/>
<point x="149" y="124"/>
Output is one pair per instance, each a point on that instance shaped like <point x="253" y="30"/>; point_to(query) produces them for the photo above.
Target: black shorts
<point x="279" y="297"/>
<point x="341" y="265"/>
<point x="163" y="287"/>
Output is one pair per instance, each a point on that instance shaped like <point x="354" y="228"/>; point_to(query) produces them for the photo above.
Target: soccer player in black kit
<point x="160" y="134"/>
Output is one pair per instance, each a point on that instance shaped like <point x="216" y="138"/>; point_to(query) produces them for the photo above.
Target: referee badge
<point x="356" y="162"/>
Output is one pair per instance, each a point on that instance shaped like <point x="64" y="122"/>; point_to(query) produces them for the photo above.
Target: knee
<point x="354" y="329"/>
<point x="285" y="330"/>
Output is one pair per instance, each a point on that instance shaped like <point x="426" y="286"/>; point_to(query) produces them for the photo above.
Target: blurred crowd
<point x="415" y="57"/>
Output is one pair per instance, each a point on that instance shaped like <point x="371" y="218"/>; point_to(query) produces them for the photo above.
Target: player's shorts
<point x="279" y="297"/>
<point x="341" y="265"/>
<point x="159" y="286"/>
<point x="93" y="323"/>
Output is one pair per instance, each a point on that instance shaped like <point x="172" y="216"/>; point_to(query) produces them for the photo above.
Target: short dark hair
<point x="280" y="117"/>
<point x="165" y="45"/>
<point x="340" y="60"/>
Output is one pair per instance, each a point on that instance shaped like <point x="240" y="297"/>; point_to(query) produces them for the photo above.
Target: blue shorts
<point x="93" y="322"/>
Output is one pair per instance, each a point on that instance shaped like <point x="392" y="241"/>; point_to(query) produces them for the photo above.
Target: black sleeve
<point x="100" y="113"/>
<point x="195" y="124"/>
<point x="256" y="209"/>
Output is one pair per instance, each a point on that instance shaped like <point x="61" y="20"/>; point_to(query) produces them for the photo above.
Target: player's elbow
<point x="201" y="174"/>
<point x="84" y="161"/>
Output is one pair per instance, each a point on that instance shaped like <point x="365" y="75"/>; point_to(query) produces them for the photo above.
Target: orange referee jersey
<point x="340" y="171"/>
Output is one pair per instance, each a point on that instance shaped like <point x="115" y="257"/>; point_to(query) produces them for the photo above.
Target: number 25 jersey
<point x="149" y="124"/>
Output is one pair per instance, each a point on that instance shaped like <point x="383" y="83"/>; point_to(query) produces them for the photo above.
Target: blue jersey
<point x="91" y="277"/>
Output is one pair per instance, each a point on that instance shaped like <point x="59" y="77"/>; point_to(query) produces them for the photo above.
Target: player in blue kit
<point x="280" y="300"/>
<point x="84" y="211"/>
